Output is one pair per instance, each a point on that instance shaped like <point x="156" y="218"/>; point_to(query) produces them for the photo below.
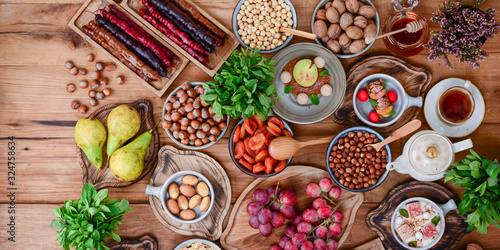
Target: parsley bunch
<point x="86" y="223"/>
<point x="243" y="87"/>
<point x="479" y="177"/>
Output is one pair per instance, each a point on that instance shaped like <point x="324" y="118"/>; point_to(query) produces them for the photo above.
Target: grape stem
<point x="275" y="195"/>
<point x="327" y="221"/>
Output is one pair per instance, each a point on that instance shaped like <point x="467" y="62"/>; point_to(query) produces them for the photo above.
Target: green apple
<point x="305" y="73"/>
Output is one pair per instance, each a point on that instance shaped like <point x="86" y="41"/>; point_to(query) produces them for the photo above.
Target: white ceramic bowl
<point x="404" y="101"/>
<point x="162" y="194"/>
<point x="228" y="118"/>
<point x="186" y="242"/>
<point x="441" y="209"/>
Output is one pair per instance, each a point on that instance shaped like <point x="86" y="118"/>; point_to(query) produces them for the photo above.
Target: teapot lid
<point x="430" y="153"/>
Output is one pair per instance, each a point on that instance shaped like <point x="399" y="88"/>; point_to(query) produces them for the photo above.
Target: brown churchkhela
<point x="185" y="6"/>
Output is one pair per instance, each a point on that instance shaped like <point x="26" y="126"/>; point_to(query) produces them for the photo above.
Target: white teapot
<point x="427" y="155"/>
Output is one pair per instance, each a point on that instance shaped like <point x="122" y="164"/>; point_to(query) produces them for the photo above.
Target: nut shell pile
<point x="343" y="25"/>
<point x="190" y="194"/>
<point x="354" y="165"/>
<point x="190" y="119"/>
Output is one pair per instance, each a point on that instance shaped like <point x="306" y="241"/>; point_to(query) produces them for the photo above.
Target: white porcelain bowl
<point x="186" y="242"/>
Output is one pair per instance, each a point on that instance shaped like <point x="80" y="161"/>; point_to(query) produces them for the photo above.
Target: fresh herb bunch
<point x="465" y="28"/>
<point x="86" y="223"/>
<point x="479" y="177"/>
<point x="243" y="87"/>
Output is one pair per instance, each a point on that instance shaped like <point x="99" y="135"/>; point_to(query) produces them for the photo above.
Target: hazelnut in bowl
<point x="353" y="165"/>
<point x="189" y="121"/>
<point x="256" y="24"/>
<point x="249" y="144"/>
<point x="342" y="26"/>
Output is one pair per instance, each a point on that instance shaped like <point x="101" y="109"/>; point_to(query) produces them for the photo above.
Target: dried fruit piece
<point x="202" y="189"/>
<point x="205" y="203"/>
<point x="187" y="190"/>
<point x="172" y="206"/>
<point x="173" y="190"/>
<point x="190" y="180"/>
<point x="187" y="214"/>
<point x="194" y="201"/>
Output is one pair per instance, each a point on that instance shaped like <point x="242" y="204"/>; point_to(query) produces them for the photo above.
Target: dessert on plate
<point x="417" y="224"/>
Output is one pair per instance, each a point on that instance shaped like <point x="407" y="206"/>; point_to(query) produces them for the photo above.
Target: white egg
<point x="399" y="220"/>
<point x="302" y="98"/>
<point x="285" y="77"/>
<point x="426" y="215"/>
<point x="326" y="90"/>
<point x="419" y="236"/>
<point x="320" y="62"/>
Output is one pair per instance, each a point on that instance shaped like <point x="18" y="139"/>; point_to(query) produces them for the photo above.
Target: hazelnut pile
<point x="97" y="81"/>
<point x="259" y="23"/>
<point x="353" y="164"/>
<point x="343" y="24"/>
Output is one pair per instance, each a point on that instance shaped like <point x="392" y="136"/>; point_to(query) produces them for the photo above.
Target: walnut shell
<point x="325" y="39"/>
<point x="352" y="6"/>
<point x="320" y="28"/>
<point x="354" y="32"/>
<point x="344" y="40"/>
<point x="332" y="15"/>
<point x="328" y="5"/>
<point x="340" y="6"/>
<point x="346" y="20"/>
<point x="367" y="11"/>
<point x="334" y="46"/>
<point x="357" y="46"/>
<point x="370" y="31"/>
<point x="321" y="15"/>
<point x="361" y="4"/>
<point x="360" y="21"/>
<point x="334" y="31"/>
<point x="370" y="21"/>
<point x="346" y="50"/>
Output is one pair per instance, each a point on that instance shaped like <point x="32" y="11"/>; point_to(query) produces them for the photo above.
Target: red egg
<point x="393" y="96"/>
<point x="373" y="117"/>
<point x="362" y="95"/>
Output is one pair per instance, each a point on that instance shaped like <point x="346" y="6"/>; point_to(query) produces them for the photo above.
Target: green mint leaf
<point x="288" y="89"/>
<point x="492" y="169"/>
<point x="324" y="72"/>
<point x="116" y="237"/>
<point x="373" y="102"/>
<point x="435" y="220"/>
<point x="412" y="243"/>
<point x="314" y="99"/>
<point x="57" y="224"/>
<point x="392" y="113"/>
<point x="403" y="212"/>
<point x="384" y="85"/>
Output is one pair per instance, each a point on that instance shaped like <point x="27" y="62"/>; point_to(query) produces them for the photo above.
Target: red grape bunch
<point x="315" y="228"/>
<point x="270" y="208"/>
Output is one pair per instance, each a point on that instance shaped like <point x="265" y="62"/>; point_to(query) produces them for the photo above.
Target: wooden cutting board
<point x="105" y="178"/>
<point x="415" y="81"/>
<point x="379" y="220"/>
<point x="375" y="244"/>
<point x="238" y="233"/>
<point x="146" y="242"/>
<point x="171" y="161"/>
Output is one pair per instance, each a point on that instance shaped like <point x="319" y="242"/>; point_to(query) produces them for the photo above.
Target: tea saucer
<point x="430" y="110"/>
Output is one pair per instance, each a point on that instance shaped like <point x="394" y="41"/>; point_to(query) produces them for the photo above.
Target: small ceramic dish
<point x="376" y="19"/>
<point x="243" y="168"/>
<point x="440" y="210"/>
<point x="192" y="241"/>
<point x="169" y="133"/>
<point x="234" y="23"/>
<point x="287" y="107"/>
<point x="162" y="194"/>
<point x="344" y="134"/>
<point x="404" y="101"/>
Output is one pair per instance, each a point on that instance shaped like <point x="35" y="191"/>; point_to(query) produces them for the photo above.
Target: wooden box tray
<point x="85" y="14"/>
<point x="415" y="81"/>
<point x="146" y="242"/>
<point x="238" y="233"/>
<point x="105" y="178"/>
<point x="215" y="61"/>
<point x="171" y="161"/>
<point x="379" y="219"/>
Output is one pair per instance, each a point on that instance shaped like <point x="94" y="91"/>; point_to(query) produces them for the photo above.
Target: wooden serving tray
<point x="171" y="161"/>
<point x="238" y="233"/>
<point x="146" y="242"/>
<point x="415" y="81"/>
<point x="215" y="61"/>
<point x="105" y="178"/>
<point x="375" y="244"/>
<point x="379" y="220"/>
<point x="85" y="14"/>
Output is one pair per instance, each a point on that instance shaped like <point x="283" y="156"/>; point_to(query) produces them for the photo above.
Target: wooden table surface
<point x="35" y="108"/>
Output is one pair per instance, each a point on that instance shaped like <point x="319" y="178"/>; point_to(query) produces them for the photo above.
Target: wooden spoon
<point x="411" y="27"/>
<point x="398" y="134"/>
<point x="298" y="33"/>
<point x="285" y="147"/>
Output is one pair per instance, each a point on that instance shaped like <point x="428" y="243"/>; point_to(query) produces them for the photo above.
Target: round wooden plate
<point x="146" y="242"/>
<point x="415" y="81"/>
<point x="172" y="160"/>
<point x="379" y="219"/>
<point x="238" y="233"/>
<point x="105" y="178"/>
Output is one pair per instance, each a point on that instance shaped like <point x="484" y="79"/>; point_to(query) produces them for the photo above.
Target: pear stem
<point x="96" y="174"/>
<point x="151" y="130"/>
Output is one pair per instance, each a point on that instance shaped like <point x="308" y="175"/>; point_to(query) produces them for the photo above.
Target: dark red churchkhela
<point x="186" y="7"/>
